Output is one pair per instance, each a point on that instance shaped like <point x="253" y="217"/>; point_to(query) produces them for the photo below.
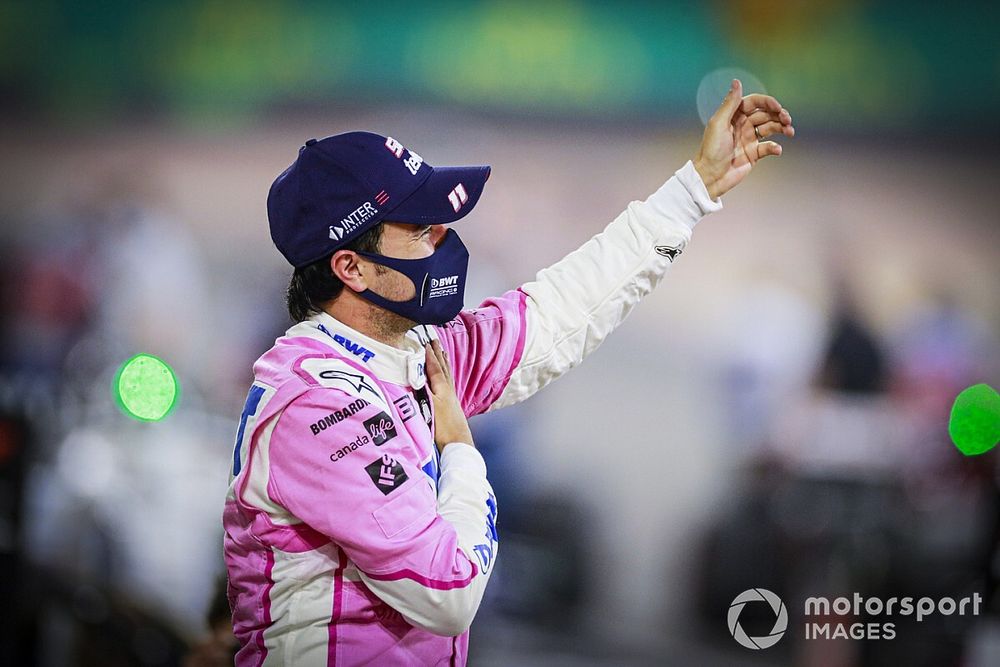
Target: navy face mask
<point x="439" y="281"/>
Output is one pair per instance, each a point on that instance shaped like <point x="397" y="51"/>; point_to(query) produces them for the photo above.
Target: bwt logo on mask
<point x="443" y="286"/>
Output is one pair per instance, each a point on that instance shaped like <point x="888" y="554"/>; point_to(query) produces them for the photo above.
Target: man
<point x="360" y="527"/>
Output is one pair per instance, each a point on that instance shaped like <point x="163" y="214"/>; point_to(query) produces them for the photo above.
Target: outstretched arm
<point x="573" y="305"/>
<point x="513" y="345"/>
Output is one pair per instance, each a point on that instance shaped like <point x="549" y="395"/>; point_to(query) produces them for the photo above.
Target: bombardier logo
<point x="358" y="217"/>
<point x="338" y="416"/>
<point x="443" y="286"/>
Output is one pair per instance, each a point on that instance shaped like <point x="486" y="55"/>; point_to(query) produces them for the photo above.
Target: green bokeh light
<point x="146" y="388"/>
<point x="974" y="426"/>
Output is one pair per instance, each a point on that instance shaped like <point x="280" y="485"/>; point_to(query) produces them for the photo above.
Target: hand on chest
<point x="411" y="433"/>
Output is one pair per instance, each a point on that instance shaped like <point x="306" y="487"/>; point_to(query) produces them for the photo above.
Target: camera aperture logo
<point x="780" y="618"/>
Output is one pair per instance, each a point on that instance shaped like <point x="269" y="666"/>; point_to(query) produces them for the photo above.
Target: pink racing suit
<point x="348" y="540"/>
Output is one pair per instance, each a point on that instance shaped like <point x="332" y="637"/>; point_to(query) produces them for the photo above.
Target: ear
<point x="437" y="234"/>
<point x="350" y="268"/>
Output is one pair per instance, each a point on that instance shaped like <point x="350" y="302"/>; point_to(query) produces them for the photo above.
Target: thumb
<point x="765" y="148"/>
<point x="730" y="103"/>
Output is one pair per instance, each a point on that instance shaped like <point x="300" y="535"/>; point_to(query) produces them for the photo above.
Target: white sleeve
<point x="466" y="501"/>
<point x="574" y="304"/>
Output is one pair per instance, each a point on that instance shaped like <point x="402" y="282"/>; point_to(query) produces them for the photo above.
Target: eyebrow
<point x="420" y="230"/>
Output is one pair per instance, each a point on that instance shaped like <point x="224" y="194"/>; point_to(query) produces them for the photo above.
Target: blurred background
<point x="773" y="416"/>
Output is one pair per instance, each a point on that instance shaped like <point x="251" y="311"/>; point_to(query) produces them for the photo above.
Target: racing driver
<point x="360" y="527"/>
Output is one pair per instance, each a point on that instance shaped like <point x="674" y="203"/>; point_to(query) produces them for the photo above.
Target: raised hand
<point x="734" y="138"/>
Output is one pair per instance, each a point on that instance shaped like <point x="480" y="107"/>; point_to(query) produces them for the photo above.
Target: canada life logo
<point x="780" y="618"/>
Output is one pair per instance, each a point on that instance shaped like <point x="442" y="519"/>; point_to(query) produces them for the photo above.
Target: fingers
<point x="441" y="357"/>
<point x="438" y="368"/>
<point x="435" y="372"/>
<point x="759" y="101"/>
<point x="730" y="103"/>
<point x="763" y="123"/>
<point x="765" y="148"/>
<point x="774" y="127"/>
<point x="761" y="116"/>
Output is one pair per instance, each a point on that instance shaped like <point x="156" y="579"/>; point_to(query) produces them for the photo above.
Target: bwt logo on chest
<point x="354" y="348"/>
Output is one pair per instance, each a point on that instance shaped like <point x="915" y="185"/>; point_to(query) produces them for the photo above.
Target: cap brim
<point x="439" y="199"/>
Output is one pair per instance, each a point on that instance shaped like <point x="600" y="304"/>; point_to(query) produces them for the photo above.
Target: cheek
<point x="426" y="247"/>
<point x="394" y="286"/>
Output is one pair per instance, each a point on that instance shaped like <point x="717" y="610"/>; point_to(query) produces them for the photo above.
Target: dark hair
<point x="313" y="285"/>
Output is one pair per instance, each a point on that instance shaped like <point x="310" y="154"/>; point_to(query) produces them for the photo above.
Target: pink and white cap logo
<point x="458" y="197"/>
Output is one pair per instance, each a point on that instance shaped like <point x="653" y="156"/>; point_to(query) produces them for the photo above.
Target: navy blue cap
<point x="342" y="185"/>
